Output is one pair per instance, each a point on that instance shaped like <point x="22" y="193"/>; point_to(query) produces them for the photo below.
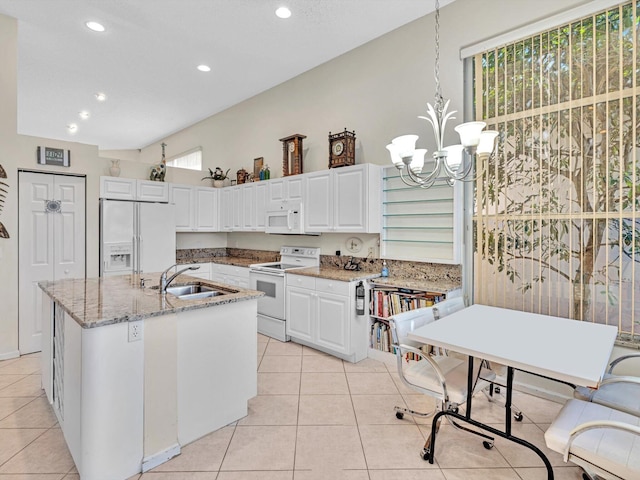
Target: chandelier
<point x="453" y="162"/>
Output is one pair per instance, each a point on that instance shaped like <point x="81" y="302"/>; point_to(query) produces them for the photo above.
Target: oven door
<point x="272" y="284"/>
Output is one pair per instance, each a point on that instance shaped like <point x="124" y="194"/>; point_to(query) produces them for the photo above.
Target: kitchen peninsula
<point x="134" y="375"/>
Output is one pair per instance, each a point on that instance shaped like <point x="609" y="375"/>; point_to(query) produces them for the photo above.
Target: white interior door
<point x="51" y="235"/>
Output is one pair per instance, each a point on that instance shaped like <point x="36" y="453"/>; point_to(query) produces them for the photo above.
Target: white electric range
<point x="271" y="279"/>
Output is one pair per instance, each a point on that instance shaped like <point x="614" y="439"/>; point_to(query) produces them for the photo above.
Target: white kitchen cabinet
<point x="226" y="209"/>
<point x="260" y="201"/>
<point x="182" y="197"/>
<point x="286" y="188"/>
<point x="248" y="217"/>
<point x="237" y="208"/>
<point x="230" y="274"/>
<point x="346" y="199"/>
<point x="206" y="209"/>
<point x="203" y="272"/>
<point x="196" y="208"/>
<point x="321" y="314"/>
<point x="116" y="188"/>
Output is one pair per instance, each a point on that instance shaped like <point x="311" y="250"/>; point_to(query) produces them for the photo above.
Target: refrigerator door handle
<point x="140" y="254"/>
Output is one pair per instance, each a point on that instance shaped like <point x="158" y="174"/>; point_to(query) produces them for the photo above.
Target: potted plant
<point x="218" y="177"/>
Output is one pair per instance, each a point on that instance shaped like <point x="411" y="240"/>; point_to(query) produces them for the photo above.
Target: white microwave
<point x="285" y="217"/>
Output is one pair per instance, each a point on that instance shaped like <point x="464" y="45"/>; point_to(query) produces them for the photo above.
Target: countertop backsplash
<point x="432" y="272"/>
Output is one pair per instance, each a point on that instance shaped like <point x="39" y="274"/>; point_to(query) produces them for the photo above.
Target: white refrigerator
<point x="136" y="237"/>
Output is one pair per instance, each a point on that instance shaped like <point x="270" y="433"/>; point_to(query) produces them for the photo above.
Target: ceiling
<point x="145" y="61"/>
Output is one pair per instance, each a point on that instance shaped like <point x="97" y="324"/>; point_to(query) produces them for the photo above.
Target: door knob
<point x="66" y="272"/>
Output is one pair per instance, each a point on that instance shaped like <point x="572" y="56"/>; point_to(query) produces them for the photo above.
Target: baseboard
<point x="159" y="458"/>
<point x="9" y="355"/>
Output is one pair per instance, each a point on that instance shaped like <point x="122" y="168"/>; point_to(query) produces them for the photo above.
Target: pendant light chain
<point x="439" y="101"/>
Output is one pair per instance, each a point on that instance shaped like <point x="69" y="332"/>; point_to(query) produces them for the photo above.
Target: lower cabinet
<point x="321" y="314"/>
<point x="230" y="274"/>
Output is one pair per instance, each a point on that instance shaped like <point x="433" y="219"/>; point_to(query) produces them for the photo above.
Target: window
<point x="420" y="224"/>
<point x="556" y="221"/>
<point x="191" y="160"/>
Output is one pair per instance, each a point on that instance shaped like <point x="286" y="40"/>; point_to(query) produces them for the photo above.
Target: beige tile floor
<point x="315" y="417"/>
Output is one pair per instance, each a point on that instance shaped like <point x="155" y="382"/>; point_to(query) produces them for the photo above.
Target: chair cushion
<point x="620" y="396"/>
<point x="455" y="372"/>
<point x="613" y="450"/>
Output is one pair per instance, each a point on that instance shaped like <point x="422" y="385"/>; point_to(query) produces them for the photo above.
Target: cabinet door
<point x="116" y="188"/>
<point x="333" y="322"/>
<point x="276" y="190"/>
<point x="236" y="208"/>
<point x="206" y="213"/>
<point x="350" y="199"/>
<point x="294" y="188"/>
<point x="260" y="201"/>
<point x="149" y="191"/>
<point x="226" y="209"/>
<point x="248" y="207"/>
<point x="300" y="313"/>
<point x="182" y="197"/>
<point x="318" y="203"/>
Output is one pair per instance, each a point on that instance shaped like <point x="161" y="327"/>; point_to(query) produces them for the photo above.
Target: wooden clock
<point x="292" y="154"/>
<point x="342" y="149"/>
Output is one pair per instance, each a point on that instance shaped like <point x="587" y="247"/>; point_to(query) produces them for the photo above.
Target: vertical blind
<point x="556" y="219"/>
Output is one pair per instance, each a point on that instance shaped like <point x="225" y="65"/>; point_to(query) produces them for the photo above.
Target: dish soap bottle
<point x="385" y="270"/>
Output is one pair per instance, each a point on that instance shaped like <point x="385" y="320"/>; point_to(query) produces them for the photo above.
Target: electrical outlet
<point x="135" y="330"/>
<point x="371" y="252"/>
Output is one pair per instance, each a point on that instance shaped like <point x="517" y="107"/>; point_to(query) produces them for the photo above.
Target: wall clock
<point x="292" y="154"/>
<point x="342" y="149"/>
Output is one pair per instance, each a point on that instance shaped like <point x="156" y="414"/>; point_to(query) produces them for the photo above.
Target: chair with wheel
<point x="620" y="392"/>
<point x="439" y="376"/>
<point x="603" y="441"/>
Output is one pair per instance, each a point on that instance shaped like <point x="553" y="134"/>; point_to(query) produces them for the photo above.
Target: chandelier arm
<point x="417" y="181"/>
<point x="429" y="178"/>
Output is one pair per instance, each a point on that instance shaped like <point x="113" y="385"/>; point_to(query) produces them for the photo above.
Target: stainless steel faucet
<point x="164" y="281"/>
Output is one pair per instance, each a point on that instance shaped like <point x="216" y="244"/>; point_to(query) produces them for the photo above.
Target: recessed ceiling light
<point x="84" y="114"/>
<point x="72" y="128"/>
<point x="95" y="26"/>
<point x="204" y="68"/>
<point x="101" y="97"/>
<point x="283" y="12"/>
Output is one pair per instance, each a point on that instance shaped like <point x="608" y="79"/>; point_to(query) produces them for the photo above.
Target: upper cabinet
<point x="116" y="188"/>
<point x="343" y="199"/>
<point x="286" y="188"/>
<point x="196" y="208"/>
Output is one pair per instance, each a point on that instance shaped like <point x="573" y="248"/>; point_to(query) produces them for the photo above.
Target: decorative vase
<point x="218" y="183"/>
<point x="114" y="169"/>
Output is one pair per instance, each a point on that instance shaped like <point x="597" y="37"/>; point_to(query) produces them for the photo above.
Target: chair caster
<point x="488" y="445"/>
<point x="424" y="454"/>
<point x="518" y="416"/>
<point x="399" y="415"/>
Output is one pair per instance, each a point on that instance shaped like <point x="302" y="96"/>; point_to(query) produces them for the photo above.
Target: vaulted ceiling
<point x="145" y="61"/>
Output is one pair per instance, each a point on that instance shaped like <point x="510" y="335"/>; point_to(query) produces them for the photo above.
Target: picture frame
<point x="258" y="163"/>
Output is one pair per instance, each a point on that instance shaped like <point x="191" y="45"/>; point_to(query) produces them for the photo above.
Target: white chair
<point x="615" y="391"/>
<point x="601" y="440"/>
<point x="441" y="377"/>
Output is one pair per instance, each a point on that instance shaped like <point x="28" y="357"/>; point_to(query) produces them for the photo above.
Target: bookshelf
<point x="386" y="300"/>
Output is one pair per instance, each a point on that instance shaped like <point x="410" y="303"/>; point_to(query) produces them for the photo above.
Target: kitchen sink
<point x="195" y="291"/>
<point x="197" y="288"/>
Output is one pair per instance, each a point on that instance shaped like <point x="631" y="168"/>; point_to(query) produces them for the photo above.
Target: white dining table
<point x="569" y="351"/>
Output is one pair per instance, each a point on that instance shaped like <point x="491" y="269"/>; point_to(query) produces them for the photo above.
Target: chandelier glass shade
<point x="453" y="162"/>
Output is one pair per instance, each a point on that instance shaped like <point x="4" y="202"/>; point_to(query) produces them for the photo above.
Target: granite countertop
<point x="437" y="286"/>
<point x="334" y="273"/>
<point x="235" y="261"/>
<point x="95" y="302"/>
